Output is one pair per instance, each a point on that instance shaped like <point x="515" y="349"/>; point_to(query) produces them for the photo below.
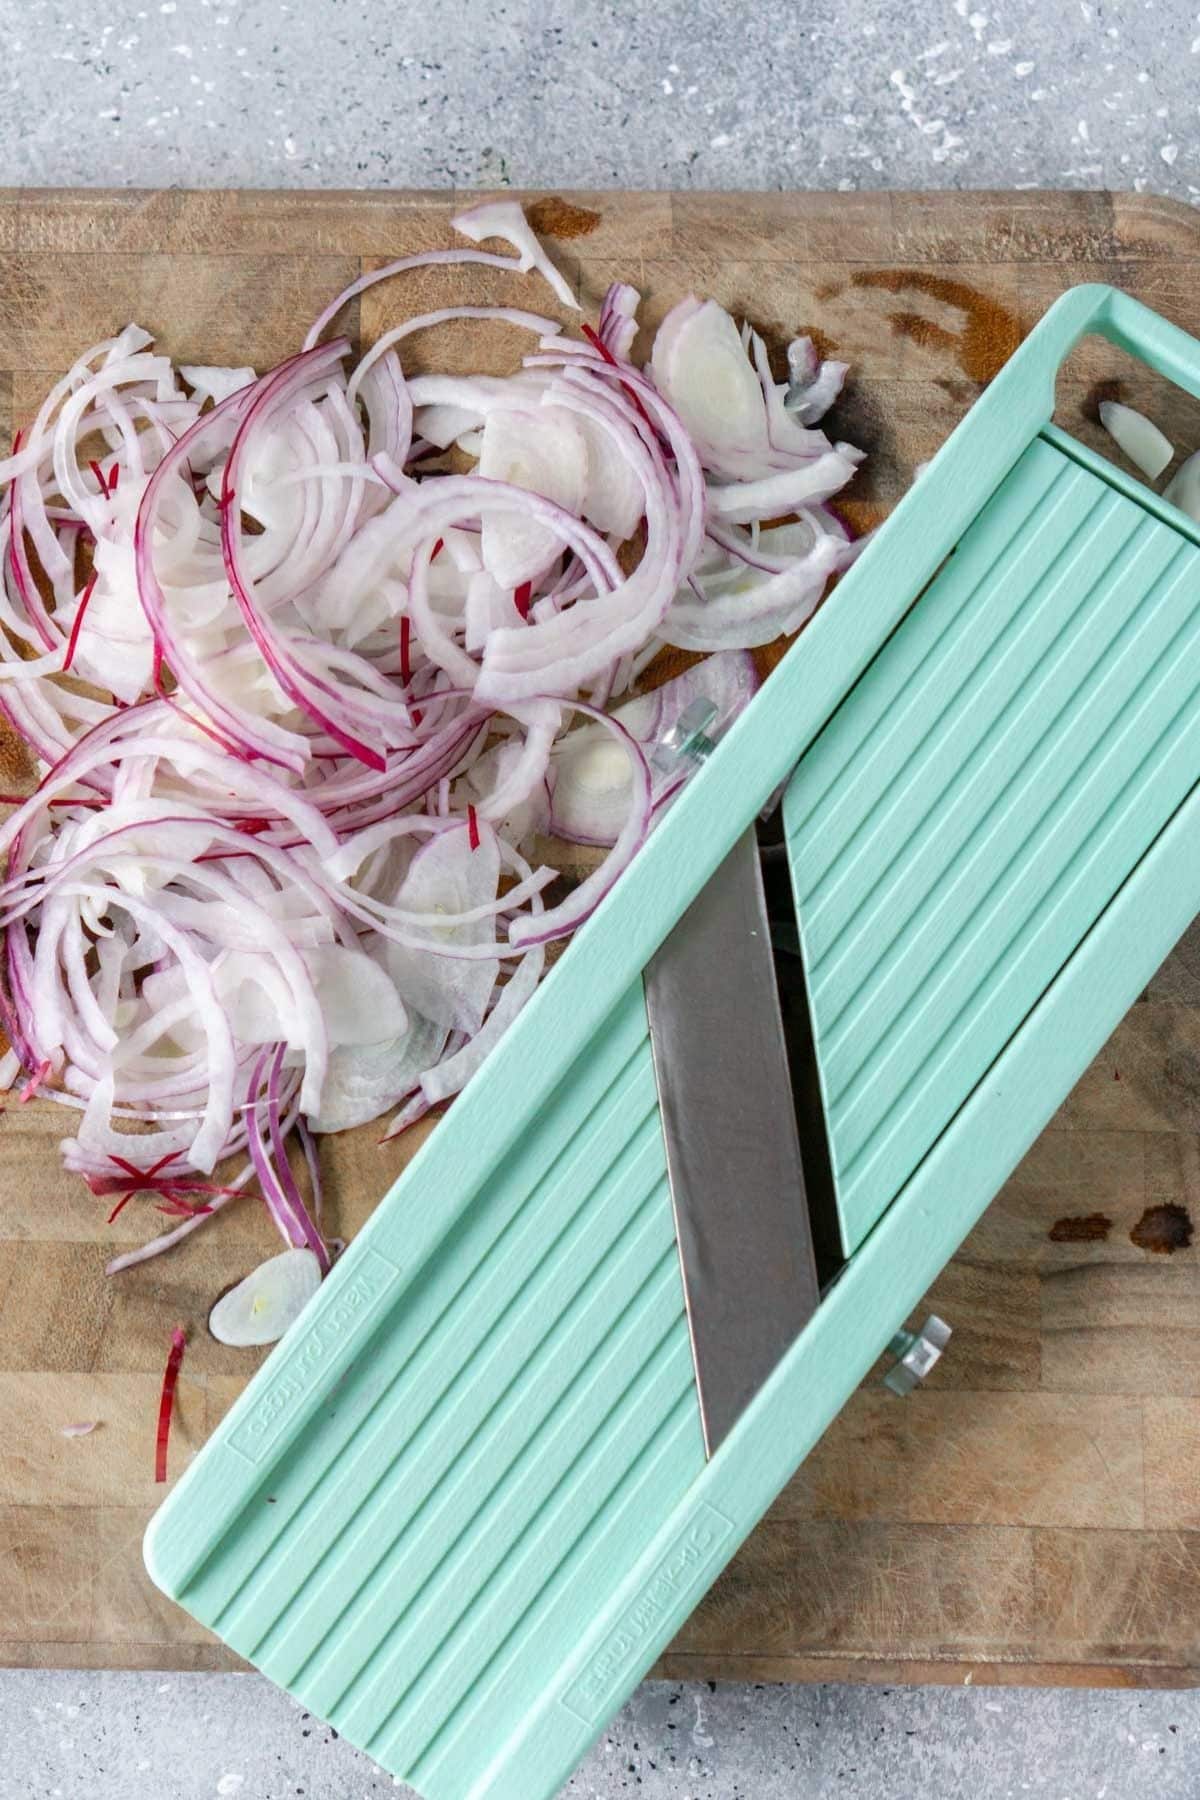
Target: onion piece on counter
<point x="1183" y="489"/>
<point x="504" y="219"/>
<point x="272" y="1297"/>
<point x="1139" y="437"/>
<point x="166" y="1404"/>
<point x="592" y="778"/>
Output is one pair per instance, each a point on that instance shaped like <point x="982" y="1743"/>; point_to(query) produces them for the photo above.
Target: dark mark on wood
<point x="1084" y="1228"/>
<point x="989" y="333"/>
<point x="557" y="218"/>
<point x="860" y="515"/>
<point x="961" y="392"/>
<point x="1108" y="389"/>
<point x="1163" y="1229"/>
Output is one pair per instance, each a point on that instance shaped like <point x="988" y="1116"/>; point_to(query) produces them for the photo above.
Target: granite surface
<point x="342" y="93"/>
<point x="820" y="93"/>
<point x="231" y="1737"/>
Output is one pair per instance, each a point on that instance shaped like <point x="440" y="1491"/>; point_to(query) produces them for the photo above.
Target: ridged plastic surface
<point x="464" y="1505"/>
<point x="978" y="798"/>
<point x="525" y="1412"/>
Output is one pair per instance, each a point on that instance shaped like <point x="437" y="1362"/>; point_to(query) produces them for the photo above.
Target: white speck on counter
<point x="1168" y="153"/>
<point x="929" y="128"/>
<point x="230" y="1784"/>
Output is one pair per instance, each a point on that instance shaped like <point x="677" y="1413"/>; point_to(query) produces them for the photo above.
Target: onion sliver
<point x="270" y="1299"/>
<point x="1139" y="437"/>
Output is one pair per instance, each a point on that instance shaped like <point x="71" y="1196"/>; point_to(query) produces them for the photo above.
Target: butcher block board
<point x="1031" y="1514"/>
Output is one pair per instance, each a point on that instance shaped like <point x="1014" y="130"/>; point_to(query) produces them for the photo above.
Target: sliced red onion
<point x="403" y="265"/>
<point x="544" y="452"/>
<point x="272" y="876"/>
<point x="364" y="1080"/>
<point x="592" y="779"/>
<point x="618" y="319"/>
<point x="1183" y="489"/>
<point x="813" y="385"/>
<point x="505" y="219"/>
<point x="1139" y="437"/>
<point x="700" y="366"/>
<point x="215" y="384"/>
<point x="449" y="876"/>
<point x="166" y="1404"/>
<point x="269" y="1300"/>
<point x="734" y="603"/>
<point x="771" y="496"/>
<point x="450" y="1074"/>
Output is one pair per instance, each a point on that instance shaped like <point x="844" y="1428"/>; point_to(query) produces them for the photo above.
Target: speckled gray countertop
<point x="791" y="93"/>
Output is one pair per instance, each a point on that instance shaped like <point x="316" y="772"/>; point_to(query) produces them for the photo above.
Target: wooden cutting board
<point x="1033" y="1514"/>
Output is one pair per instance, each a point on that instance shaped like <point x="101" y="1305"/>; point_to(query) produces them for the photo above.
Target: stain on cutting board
<point x="989" y="332"/>
<point x="557" y="218"/>
<point x="1163" y="1229"/>
<point x="1084" y="1228"/>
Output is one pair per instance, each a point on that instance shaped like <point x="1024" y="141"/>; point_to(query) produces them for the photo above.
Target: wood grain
<point x="1031" y="1514"/>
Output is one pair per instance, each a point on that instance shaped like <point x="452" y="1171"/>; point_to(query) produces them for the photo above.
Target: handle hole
<point x="1097" y="371"/>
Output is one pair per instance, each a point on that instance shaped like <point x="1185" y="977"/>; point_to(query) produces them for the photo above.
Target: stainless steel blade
<point x="733" y="1153"/>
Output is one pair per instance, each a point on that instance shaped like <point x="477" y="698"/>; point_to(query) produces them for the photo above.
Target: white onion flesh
<point x="279" y="874"/>
<point x="1183" y="489"/>
<point x="1139" y="437"/>
<point x="260" y="1309"/>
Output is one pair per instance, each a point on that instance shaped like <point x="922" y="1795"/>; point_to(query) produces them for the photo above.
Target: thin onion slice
<point x="1139" y="437"/>
<point x="1183" y="489"/>
<point x="166" y="1404"/>
<point x="269" y="1300"/>
<point x="505" y="219"/>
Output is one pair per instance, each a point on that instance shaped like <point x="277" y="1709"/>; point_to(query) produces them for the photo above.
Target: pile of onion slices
<point x="313" y="664"/>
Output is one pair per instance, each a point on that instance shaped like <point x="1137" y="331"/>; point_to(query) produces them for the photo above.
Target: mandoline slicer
<point x="617" y="1296"/>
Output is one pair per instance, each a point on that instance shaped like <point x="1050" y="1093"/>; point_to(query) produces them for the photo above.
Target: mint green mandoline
<point x="503" y="1459"/>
